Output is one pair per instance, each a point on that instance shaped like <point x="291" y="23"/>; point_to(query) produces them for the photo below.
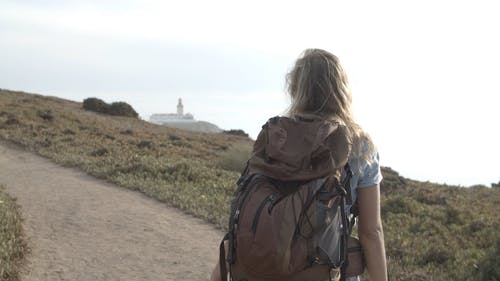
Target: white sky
<point x="422" y="72"/>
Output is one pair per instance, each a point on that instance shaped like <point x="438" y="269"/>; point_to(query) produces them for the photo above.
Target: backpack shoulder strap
<point x="347" y="183"/>
<point x="222" y="258"/>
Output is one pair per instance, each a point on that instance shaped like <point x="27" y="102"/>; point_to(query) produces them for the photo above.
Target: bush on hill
<point x="122" y="109"/>
<point x="235" y="157"/>
<point x="236" y="132"/>
<point x="96" y="105"/>
<point x="116" y="108"/>
<point x="488" y="267"/>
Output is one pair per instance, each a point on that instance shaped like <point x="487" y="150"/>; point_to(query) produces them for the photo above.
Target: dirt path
<point x="81" y="228"/>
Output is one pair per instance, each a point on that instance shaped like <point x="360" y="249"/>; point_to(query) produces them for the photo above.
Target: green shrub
<point x="145" y="144"/>
<point x="437" y="254"/>
<point x="236" y="132"/>
<point x="122" y="109"/>
<point x="400" y="205"/>
<point x="392" y="181"/>
<point x="127" y="132"/>
<point x="116" y="108"/>
<point x="174" y="137"/>
<point x="488" y="267"/>
<point x="96" y="105"/>
<point x="46" y="115"/>
<point x="12" y="121"/>
<point x="235" y="158"/>
<point x="453" y="216"/>
<point x="100" y="152"/>
<point x="12" y="247"/>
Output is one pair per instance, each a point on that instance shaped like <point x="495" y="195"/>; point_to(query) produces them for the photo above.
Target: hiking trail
<point x="82" y="228"/>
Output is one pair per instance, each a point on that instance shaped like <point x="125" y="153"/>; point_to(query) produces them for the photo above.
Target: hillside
<point x="195" y="126"/>
<point x="432" y="232"/>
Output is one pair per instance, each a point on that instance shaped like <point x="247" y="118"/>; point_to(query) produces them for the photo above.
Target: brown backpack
<point x="288" y="218"/>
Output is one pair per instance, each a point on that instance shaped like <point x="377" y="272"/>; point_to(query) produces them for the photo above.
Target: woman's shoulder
<point x="366" y="166"/>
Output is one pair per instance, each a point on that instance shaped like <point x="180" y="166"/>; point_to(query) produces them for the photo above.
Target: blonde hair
<point x="319" y="89"/>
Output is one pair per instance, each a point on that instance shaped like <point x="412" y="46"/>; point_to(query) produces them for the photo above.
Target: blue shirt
<point x="364" y="175"/>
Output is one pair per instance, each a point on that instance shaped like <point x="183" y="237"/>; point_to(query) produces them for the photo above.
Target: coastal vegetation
<point x="432" y="231"/>
<point x="116" y="108"/>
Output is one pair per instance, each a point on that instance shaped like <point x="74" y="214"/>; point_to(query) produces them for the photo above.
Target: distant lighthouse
<point x="180" y="108"/>
<point x="170" y="118"/>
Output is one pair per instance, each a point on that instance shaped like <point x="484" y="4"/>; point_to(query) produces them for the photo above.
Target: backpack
<point x="288" y="219"/>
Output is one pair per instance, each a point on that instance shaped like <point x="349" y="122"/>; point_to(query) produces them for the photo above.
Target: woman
<point x="318" y="89"/>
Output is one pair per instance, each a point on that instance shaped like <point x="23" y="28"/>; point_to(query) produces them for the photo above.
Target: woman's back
<point x="319" y="89"/>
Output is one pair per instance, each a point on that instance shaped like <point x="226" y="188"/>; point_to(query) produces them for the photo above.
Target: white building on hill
<point x="166" y="118"/>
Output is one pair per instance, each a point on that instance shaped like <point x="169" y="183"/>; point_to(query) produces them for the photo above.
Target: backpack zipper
<point x="269" y="199"/>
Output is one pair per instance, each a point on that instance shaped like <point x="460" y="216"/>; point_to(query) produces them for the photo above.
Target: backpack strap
<point x="354" y="214"/>
<point x="240" y="196"/>
<point x="346" y="186"/>
<point x="347" y="183"/>
<point x="222" y="258"/>
<point x="345" y="237"/>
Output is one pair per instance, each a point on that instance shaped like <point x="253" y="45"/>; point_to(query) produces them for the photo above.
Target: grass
<point x="234" y="158"/>
<point x="12" y="245"/>
<point x="432" y="232"/>
<point x="440" y="233"/>
<point x="172" y="165"/>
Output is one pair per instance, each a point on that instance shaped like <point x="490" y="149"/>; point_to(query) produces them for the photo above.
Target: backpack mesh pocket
<point x="329" y="233"/>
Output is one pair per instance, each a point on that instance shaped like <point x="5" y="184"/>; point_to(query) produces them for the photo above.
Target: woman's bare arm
<point x="371" y="233"/>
